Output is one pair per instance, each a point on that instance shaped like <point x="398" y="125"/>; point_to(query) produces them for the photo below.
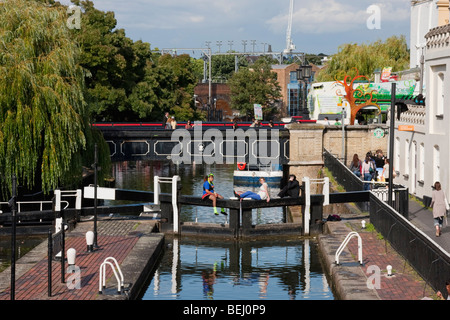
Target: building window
<point x="294" y="100"/>
<point x="436" y="164"/>
<point x="421" y="162"/>
<point x="293" y="77"/>
<point x="397" y="153"/>
<point x="440" y="95"/>
<point x="407" y="159"/>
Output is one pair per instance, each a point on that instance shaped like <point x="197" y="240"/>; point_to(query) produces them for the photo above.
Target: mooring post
<point x="95" y="195"/>
<point x="235" y="221"/>
<point x="306" y="215"/>
<point x="12" y="204"/>
<point x="63" y="245"/>
<point x="246" y="221"/>
<point x="49" y="263"/>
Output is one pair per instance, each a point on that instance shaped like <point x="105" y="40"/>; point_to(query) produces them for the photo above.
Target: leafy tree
<point x="223" y="66"/>
<point x="44" y="128"/>
<point x="366" y="58"/>
<point x="177" y="79"/>
<point x="255" y="85"/>
<point x="116" y="66"/>
<point x="126" y="81"/>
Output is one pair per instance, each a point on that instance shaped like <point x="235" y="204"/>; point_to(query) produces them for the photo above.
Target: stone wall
<point x="358" y="139"/>
<point x="308" y="141"/>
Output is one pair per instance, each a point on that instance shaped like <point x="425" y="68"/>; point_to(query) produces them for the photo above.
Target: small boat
<point x="249" y="175"/>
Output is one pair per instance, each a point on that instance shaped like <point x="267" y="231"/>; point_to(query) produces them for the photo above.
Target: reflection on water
<point x="138" y="175"/>
<point x="23" y="245"/>
<point x="275" y="270"/>
<point x="225" y="270"/>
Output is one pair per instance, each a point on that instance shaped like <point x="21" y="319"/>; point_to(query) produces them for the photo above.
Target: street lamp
<point x="304" y="74"/>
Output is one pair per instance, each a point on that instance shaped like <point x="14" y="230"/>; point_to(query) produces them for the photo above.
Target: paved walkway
<point x="116" y="238"/>
<point x="405" y="284"/>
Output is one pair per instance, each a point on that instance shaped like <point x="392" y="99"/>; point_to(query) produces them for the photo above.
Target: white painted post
<point x="57" y="200"/>
<point x="78" y="199"/>
<point x="175" y="180"/>
<point x="307" y="205"/>
<point x="326" y="191"/>
<point x="156" y="189"/>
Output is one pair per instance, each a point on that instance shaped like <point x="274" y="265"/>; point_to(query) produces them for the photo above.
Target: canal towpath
<point x="136" y="247"/>
<point x="352" y="281"/>
<point x="131" y="242"/>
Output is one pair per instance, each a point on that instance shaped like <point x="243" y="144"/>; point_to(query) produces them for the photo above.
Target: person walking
<point x="367" y="171"/>
<point x="188" y="125"/>
<point x="166" y="121"/>
<point x="355" y="165"/>
<point x="447" y="287"/>
<point x="263" y="193"/>
<point x="440" y="206"/>
<point x="210" y="194"/>
<point x="385" y="174"/>
<point x="173" y="123"/>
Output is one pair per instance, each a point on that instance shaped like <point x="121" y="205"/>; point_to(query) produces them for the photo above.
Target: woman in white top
<point x="263" y="193"/>
<point x="440" y="206"/>
<point x="385" y="173"/>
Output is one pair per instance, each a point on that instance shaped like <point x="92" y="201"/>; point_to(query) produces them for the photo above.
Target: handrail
<point x="37" y="202"/>
<point x="102" y="275"/>
<point x="345" y="242"/>
<point x="157" y="190"/>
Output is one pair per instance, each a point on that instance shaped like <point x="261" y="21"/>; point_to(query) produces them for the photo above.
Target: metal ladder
<point x="345" y="242"/>
<point x="102" y="275"/>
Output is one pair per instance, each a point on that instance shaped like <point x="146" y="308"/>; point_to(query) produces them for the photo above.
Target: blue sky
<point x="318" y="26"/>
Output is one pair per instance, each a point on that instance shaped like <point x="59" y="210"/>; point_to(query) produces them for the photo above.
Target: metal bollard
<point x="49" y="263"/>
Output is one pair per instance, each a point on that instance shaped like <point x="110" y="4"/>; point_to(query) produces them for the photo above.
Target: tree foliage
<point x="127" y="81"/>
<point x="44" y="127"/>
<point x="223" y="66"/>
<point x="255" y="85"/>
<point x="366" y="58"/>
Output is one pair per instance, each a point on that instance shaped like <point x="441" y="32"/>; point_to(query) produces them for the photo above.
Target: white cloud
<point x="334" y="16"/>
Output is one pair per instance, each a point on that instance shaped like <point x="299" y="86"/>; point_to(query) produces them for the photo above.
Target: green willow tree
<point x="45" y="135"/>
<point x="366" y="58"/>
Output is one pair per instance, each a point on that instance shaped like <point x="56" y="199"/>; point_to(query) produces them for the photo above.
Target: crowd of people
<point x="372" y="168"/>
<point x="291" y="189"/>
<point x="170" y="123"/>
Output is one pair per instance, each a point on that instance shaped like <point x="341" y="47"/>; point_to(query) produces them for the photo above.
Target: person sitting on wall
<point x="263" y="193"/>
<point x="292" y="189"/>
<point x="210" y="194"/>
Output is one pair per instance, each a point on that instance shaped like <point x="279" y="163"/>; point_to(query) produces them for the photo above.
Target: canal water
<point x="252" y="270"/>
<point x="225" y="270"/>
<point x="138" y="175"/>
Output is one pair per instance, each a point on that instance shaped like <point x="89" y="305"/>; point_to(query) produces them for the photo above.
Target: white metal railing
<point x="344" y="244"/>
<point x="58" y="202"/>
<point x="102" y="275"/>
<point x="157" y="190"/>
<point x="326" y="192"/>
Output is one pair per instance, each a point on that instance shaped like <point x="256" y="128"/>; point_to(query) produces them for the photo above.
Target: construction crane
<point x="289" y="44"/>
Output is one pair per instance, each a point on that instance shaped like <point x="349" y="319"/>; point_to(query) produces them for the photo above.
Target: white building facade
<point x="422" y="156"/>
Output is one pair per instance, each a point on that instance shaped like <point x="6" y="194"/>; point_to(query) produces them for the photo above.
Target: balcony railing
<point x="438" y="37"/>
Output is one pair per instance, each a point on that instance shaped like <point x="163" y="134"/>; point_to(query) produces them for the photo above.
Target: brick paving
<point x="33" y="284"/>
<point x="404" y="284"/>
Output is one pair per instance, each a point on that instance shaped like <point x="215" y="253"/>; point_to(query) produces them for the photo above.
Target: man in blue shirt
<point x="209" y="193"/>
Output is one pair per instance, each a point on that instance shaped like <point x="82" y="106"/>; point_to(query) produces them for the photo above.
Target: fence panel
<point x="430" y="260"/>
